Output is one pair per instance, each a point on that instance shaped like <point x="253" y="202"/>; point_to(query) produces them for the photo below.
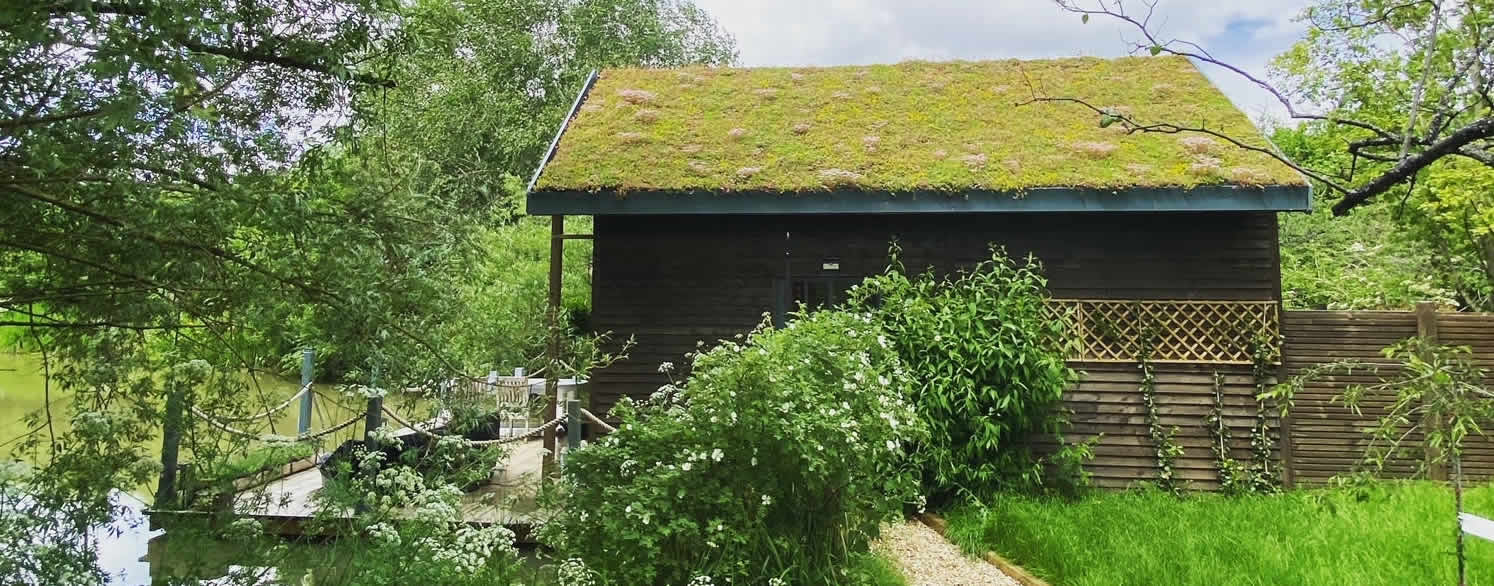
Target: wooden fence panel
<point x="1107" y="401"/>
<point x="1329" y="439"/>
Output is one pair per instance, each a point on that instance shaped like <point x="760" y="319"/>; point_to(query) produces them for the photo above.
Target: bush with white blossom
<point x="776" y="461"/>
<point x="413" y="526"/>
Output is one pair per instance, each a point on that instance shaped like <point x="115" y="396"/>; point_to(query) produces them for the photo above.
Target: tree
<point x="189" y="190"/>
<point x="484" y="84"/>
<point x="1404" y="84"/>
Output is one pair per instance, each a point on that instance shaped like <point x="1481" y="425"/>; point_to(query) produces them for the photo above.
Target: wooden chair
<point x="512" y="396"/>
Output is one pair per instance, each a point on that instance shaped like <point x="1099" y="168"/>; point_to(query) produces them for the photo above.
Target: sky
<point x="1245" y="33"/>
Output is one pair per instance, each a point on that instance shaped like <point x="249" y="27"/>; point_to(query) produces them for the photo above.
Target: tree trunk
<point x="1457" y="461"/>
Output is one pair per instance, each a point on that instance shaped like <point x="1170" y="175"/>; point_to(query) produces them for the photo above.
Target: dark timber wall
<point x="674" y="280"/>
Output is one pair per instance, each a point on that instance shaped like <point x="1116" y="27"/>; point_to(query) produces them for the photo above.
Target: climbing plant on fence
<point x="1164" y="440"/>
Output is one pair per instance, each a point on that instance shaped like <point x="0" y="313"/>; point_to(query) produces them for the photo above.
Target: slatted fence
<point x="1322" y="438"/>
<point x="1327" y="438"/>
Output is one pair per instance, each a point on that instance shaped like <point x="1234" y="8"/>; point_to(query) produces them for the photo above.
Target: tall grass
<point x="1391" y="533"/>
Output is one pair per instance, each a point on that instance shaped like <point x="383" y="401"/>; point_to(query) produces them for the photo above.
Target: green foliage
<point x="1429" y="234"/>
<point x="1452" y="210"/>
<point x="194" y="190"/>
<point x="414" y="526"/>
<point x="872" y="570"/>
<point x="1379" y="257"/>
<point x="1264" y="354"/>
<point x="988" y="364"/>
<point x="1386" y="534"/>
<point x="1232" y="474"/>
<point x="779" y="458"/>
<point x="504" y="300"/>
<point x="1164" y="440"/>
<point x="268" y="456"/>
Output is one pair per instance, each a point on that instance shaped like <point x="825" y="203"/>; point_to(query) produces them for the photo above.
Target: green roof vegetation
<point x="913" y="126"/>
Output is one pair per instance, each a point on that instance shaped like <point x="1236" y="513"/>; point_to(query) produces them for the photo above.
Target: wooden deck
<point x="285" y="504"/>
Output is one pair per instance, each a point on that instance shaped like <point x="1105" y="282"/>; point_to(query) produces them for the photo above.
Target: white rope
<point x="272" y="410"/>
<point x="493" y="442"/>
<point x="536" y="432"/>
<point x="269" y="436"/>
<point x="598" y="420"/>
<point x="332" y="429"/>
<point x="224" y="426"/>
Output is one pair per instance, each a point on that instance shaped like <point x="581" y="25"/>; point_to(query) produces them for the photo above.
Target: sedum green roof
<point x="909" y="127"/>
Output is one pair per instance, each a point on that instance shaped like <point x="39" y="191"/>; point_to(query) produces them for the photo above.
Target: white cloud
<point x="840" y="32"/>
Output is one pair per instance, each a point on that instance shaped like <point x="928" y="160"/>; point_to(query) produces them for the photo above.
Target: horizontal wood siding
<point x="1328" y="438"/>
<point x="673" y="282"/>
<point x="1107" y="403"/>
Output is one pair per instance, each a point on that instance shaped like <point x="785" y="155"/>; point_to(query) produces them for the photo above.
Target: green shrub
<point x="778" y="459"/>
<point x="988" y="363"/>
<point x="411" y="527"/>
<point x="268" y="456"/>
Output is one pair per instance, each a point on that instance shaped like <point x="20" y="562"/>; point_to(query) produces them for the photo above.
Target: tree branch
<point x="142" y="9"/>
<point x="1158" y="46"/>
<point x="1168" y="128"/>
<point x="13" y="123"/>
<point x="1452" y="145"/>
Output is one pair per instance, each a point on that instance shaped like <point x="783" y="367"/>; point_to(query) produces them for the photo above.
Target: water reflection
<point x="124" y="543"/>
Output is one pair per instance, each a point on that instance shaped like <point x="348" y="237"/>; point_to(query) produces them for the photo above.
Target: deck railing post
<point x="308" y="358"/>
<point x="374" y="417"/>
<point x="171" y="439"/>
<point x="572" y="425"/>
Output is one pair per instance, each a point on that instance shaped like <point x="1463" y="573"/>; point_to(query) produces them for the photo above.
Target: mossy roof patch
<point x="914" y="126"/>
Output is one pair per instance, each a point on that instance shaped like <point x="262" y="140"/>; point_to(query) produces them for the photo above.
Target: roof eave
<point x="1212" y="198"/>
<point x="591" y="80"/>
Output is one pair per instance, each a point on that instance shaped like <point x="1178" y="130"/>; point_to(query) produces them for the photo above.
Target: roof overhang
<point x="1222" y="198"/>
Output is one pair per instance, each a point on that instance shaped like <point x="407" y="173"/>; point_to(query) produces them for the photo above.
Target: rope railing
<point x="270" y="436"/>
<point x="532" y="433"/>
<point x="592" y="417"/>
<point x="333" y="429"/>
<point x="273" y="410"/>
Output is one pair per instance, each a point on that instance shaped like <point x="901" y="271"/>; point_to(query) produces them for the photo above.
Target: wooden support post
<point x="572" y="425"/>
<point x="552" y="324"/>
<point x="308" y="358"/>
<point x="375" y="414"/>
<point x="1426" y="329"/>
<point x="1426" y="321"/>
<point x="171" y="441"/>
<point x="1283" y="422"/>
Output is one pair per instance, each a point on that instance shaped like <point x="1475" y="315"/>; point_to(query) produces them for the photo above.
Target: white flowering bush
<point x="413" y="527"/>
<point x="777" y="460"/>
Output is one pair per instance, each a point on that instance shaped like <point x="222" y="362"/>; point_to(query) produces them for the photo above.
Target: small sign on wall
<point x="830" y="264"/>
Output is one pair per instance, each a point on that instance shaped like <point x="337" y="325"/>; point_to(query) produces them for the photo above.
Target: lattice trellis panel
<point x="1219" y="332"/>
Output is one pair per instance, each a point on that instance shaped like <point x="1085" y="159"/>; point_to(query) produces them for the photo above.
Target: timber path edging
<point x="1016" y="572"/>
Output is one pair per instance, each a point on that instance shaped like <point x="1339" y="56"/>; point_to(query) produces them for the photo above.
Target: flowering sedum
<point x="778" y="458"/>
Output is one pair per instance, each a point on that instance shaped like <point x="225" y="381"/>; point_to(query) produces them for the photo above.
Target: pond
<point x="23" y="392"/>
<point x="128" y="549"/>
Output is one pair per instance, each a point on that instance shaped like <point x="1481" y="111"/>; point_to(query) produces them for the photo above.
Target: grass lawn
<point x="873" y="570"/>
<point x="1392" y="533"/>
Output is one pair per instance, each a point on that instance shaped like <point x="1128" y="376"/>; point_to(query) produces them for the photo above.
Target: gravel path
<point x="926" y="559"/>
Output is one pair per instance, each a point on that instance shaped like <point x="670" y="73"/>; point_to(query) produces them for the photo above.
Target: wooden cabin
<point x="721" y="195"/>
